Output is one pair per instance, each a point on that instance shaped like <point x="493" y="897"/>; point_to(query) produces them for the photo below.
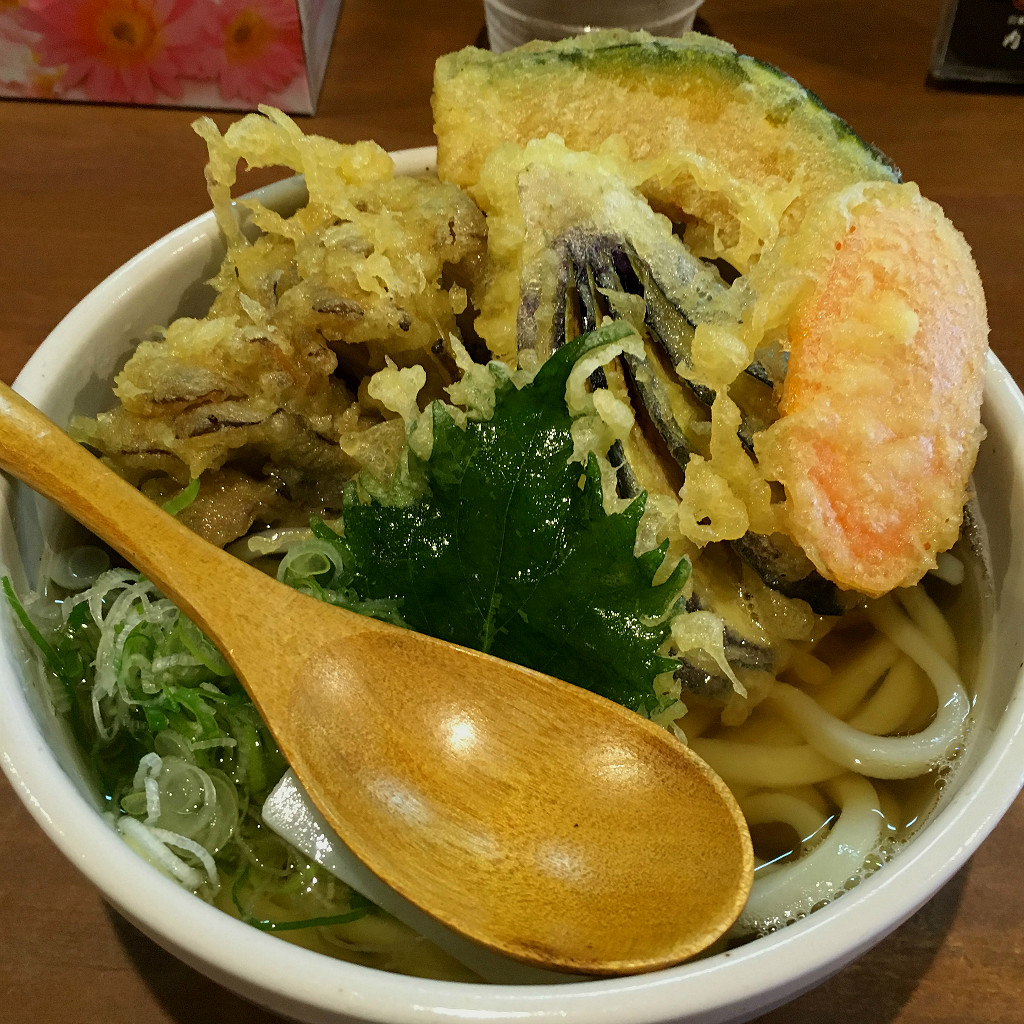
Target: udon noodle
<point x="847" y="754"/>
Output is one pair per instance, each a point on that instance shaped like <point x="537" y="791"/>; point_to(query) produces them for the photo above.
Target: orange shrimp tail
<point x="881" y="404"/>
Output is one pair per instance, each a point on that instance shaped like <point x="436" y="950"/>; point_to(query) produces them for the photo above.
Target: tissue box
<point x="228" y="54"/>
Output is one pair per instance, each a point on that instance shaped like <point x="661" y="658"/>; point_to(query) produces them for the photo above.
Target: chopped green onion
<point x="178" y="752"/>
<point x="183" y="498"/>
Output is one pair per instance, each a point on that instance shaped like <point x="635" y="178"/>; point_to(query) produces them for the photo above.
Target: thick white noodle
<point x="928" y="617"/>
<point x="810" y="670"/>
<point x="949" y="568"/>
<point x="787" y="808"/>
<point x="895" y="700"/>
<point x="768" y="765"/>
<point x="889" y="757"/>
<point x="784" y="892"/>
<point x="853" y="680"/>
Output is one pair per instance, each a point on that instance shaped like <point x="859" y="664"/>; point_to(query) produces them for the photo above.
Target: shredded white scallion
<point x="149" y="842"/>
<point x="175" y="661"/>
<point x="150" y="766"/>
<point x="217" y="741"/>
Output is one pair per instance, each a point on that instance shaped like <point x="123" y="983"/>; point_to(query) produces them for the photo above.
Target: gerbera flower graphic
<point x="20" y="73"/>
<point x="116" y="50"/>
<point x="16" y="61"/>
<point x="11" y="28"/>
<point x="255" y="48"/>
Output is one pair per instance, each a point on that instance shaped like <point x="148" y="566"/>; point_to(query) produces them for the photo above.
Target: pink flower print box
<point x="220" y="54"/>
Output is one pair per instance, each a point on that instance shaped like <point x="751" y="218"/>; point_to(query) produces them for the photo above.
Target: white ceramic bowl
<point x="93" y="339"/>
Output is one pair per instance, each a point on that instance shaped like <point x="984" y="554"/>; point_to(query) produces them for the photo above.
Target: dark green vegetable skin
<point x="511" y="552"/>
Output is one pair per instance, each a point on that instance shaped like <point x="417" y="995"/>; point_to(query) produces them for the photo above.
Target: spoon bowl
<point x="532" y="816"/>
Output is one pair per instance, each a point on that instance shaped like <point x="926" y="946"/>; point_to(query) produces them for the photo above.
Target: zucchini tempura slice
<point x="881" y="404"/>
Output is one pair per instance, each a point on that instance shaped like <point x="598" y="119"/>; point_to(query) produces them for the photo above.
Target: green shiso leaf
<point x="511" y="551"/>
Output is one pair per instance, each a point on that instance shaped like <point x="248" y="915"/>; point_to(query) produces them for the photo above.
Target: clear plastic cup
<point x="514" y="22"/>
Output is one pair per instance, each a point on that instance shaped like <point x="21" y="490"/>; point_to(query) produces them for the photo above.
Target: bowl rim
<point x="750" y="979"/>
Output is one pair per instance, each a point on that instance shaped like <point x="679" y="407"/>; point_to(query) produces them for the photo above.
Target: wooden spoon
<point x="533" y="816"/>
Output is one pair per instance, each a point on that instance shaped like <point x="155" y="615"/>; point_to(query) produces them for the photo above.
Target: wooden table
<point x="84" y="188"/>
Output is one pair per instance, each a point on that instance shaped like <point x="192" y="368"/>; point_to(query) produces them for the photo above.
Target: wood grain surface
<point x="83" y="188"/>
